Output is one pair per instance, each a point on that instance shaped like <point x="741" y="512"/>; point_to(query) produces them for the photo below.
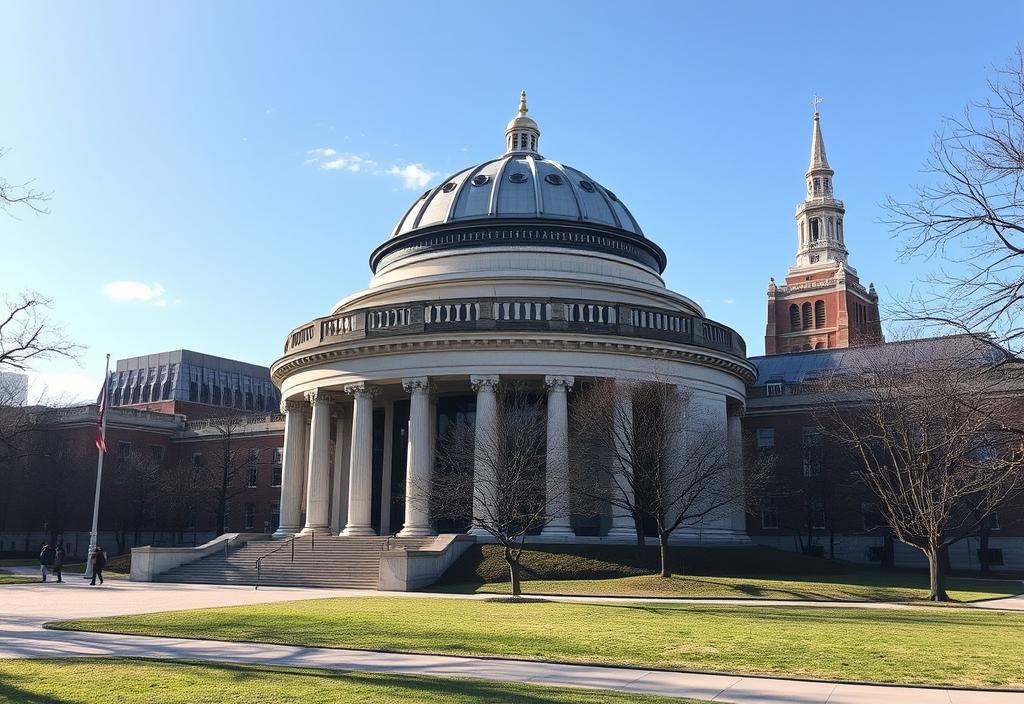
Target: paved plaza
<point x="25" y="608"/>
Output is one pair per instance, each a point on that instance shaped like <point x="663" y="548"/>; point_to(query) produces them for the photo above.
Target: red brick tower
<point x="822" y="304"/>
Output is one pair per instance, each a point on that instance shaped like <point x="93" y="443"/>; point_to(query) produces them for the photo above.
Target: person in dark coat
<point x="58" y="561"/>
<point x="98" y="560"/>
<point x="45" y="559"/>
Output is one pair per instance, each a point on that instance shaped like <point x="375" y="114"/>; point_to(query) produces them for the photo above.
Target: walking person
<point x="45" y="559"/>
<point x="58" y="561"/>
<point x="98" y="560"/>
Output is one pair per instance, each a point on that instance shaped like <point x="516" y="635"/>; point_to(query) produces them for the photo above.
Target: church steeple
<point x="820" y="217"/>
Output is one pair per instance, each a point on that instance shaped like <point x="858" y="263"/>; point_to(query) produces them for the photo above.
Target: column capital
<point x="736" y="410"/>
<point x="559" y="382"/>
<point x="288" y="406"/>
<point x="416" y="384"/>
<point x="320" y="396"/>
<point x="361" y="389"/>
<point x="484" y="382"/>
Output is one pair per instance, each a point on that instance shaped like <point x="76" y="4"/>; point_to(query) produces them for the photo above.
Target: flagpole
<point x="93" y="534"/>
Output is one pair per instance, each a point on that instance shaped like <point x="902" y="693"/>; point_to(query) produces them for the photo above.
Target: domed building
<point x="519" y="268"/>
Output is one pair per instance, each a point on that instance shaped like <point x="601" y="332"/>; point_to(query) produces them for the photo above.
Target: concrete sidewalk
<point x="24" y="608"/>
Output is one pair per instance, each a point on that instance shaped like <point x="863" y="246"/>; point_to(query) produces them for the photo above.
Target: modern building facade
<point x="822" y="304"/>
<point x="519" y="268"/>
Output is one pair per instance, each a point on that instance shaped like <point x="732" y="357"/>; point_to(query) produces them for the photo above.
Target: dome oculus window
<point x="611" y="195"/>
<point x="553" y="179"/>
<point x="587" y="186"/>
<point x="448" y="187"/>
<point x="480" y="179"/>
<point x="517" y="177"/>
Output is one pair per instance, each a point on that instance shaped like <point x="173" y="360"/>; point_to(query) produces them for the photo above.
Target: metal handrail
<point x="291" y="544"/>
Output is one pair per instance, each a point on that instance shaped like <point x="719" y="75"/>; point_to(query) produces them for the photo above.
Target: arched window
<point x="807" y="348"/>
<point x="814" y="229"/>
<point x="831" y="228"/>
<point x="817" y="186"/>
<point x="819" y="345"/>
<point x="819" y="314"/>
<point x="807" y="316"/>
<point x="794" y="317"/>
<point x="839" y="229"/>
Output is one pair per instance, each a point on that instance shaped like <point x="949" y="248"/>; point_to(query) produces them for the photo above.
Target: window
<point x="794" y="317"/>
<point x="806" y="309"/>
<point x="765" y="438"/>
<point x="993" y="521"/>
<point x="817" y="186"/>
<point x="819" y="345"/>
<point x="814" y="229"/>
<point x="802" y="234"/>
<point x="275" y="468"/>
<point x="811" y="450"/>
<point x="819" y="314"/>
<point x="250" y="516"/>
<point x="773" y="389"/>
<point x="156" y="453"/>
<point x="204" y="393"/>
<point x="275" y="514"/>
<point x="124" y="452"/>
<point x="197" y="463"/>
<point x="769" y="514"/>
<point x="816" y="513"/>
<point x="839" y="229"/>
<point x="253" y="464"/>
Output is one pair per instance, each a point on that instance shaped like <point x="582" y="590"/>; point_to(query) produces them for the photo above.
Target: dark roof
<point x="801" y="367"/>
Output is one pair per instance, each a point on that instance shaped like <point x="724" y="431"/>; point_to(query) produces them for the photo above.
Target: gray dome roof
<point x="520" y="184"/>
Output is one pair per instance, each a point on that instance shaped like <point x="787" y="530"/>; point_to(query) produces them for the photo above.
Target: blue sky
<point x="176" y="139"/>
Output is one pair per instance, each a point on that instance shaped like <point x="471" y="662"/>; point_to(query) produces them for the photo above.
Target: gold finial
<point x="522" y="103"/>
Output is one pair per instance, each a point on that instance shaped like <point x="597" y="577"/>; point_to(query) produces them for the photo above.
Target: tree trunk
<point x="513" y="573"/>
<point x="663" y="542"/>
<point x="936" y="575"/>
<point x="832" y="543"/>
<point x="888" y="552"/>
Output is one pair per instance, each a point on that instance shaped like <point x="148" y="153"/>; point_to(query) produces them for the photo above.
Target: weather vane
<point x="815" y="102"/>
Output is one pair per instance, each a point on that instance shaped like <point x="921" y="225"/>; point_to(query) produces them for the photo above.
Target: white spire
<point x="819" y="162"/>
<point x="522" y="134"/>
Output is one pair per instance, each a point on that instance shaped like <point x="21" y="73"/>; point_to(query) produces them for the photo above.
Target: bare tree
<point x="971" y="216"/>
<point x="929" y="425"/>
<point x="664" y="462"/>
<point x="495" y="479"/>
<point x="136" y="490"/>
<point x="22" y="194"/>
<point x="184" y="486"/>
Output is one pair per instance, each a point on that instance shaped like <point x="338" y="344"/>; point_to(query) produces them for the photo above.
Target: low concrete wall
<point x="149" y="561"/>
<point x="404" y="570"/>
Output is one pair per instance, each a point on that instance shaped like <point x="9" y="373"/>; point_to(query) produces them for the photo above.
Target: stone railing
<point x="91" y="411"/>
<point x="527" y="314"/>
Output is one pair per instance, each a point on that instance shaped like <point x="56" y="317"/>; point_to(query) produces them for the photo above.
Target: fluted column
<point x="418" y="459"/>
<point x="339" y="489"/>
<point x="318" y="476"/>
<point x="557" y="461"/>
<point x="734" y="434"/>
<point x="623" y="523"/>
<point x="486" y="427"/>
<point x="360" y="484"/>
<point x="293" y="468"/>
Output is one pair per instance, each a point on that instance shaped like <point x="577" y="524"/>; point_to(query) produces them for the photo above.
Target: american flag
<point x="101" y="432"/>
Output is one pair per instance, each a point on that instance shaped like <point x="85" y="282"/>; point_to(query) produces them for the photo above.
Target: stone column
<point x="339" y="491"/>
<point x="293" y="467"/>
<point x="623" y="526"/>
<point x="418" y="459"/>
<point x="318" y="482"/>
<point x="360" y="483"/>
<point x="557" y="465"/>
<point x="486" y="421"/>
<point x="734" y="434"/>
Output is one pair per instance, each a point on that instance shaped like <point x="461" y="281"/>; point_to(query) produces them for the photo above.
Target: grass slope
<point x="736" y="573"/>
<point x="175" y="682"/>
<point x="909" y="646"/>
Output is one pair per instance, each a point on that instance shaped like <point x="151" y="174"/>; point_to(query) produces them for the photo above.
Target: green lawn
<point x="7" y="578"/>
<point x="964" y="647"/>
<point x="175" y="682"/>
<point x="858" y="586"/>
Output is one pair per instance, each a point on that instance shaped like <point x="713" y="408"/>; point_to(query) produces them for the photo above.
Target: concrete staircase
<point x="329" y="561"/>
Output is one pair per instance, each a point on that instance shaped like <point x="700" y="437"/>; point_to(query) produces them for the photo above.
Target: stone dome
<point x="518" y="185"/>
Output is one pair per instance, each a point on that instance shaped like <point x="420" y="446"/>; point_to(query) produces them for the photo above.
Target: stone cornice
<point x="701" y="356"/>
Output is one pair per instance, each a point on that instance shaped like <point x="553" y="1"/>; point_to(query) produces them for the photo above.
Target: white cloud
<point x="728" y="301"/>
<point x="128" y="291"/>
<point x="329" y="159"/>
<point x="62" y="388"/>
<point x="412" y="175"/>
